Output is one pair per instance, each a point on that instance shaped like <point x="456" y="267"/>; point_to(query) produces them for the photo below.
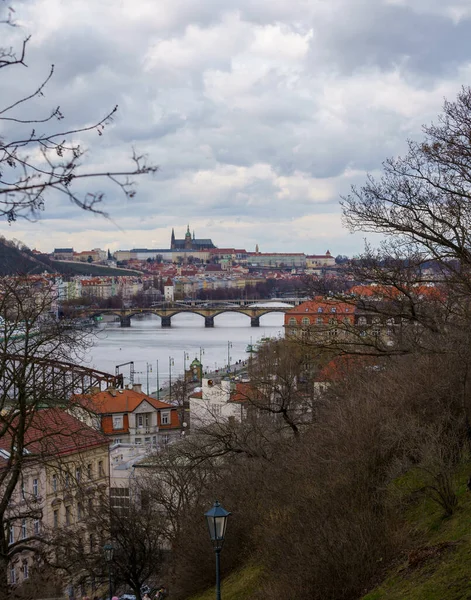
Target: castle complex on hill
<point x="190" y="243"/>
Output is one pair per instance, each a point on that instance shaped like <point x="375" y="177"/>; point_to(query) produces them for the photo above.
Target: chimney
<point x="137" y="387"/>
<point x="112" y="391"/>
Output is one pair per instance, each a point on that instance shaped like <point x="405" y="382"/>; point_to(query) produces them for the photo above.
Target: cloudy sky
<point x="259" y="113"/>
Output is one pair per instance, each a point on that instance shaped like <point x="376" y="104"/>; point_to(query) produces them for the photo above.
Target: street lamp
<point x="108" y="551"/>
<point x="170" y="365"/>
<point x="201" y="363"/>
<point x="216" y="519"/>
<point x="229" y="346"/>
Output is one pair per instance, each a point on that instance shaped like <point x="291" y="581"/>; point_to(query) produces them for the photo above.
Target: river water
<point x="146" y="342"/>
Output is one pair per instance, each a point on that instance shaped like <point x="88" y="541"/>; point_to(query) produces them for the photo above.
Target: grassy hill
<point x="238" y="586"/>
<point x="17" y="259"/>
<point x="438" y="569"/>
<point x="83" y="268"/>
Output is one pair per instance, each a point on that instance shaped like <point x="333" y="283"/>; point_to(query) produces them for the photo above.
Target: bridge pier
<point x="209" y="321"/>
<point x="166" y="321"/>
<point x="254" y="321"/>
<point x="125" y="321"/>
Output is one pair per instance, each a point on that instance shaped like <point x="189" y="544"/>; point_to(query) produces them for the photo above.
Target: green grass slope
<point x="83" y="268"/>
<point x="238" y="586"/>
<point x="440" y="568"/>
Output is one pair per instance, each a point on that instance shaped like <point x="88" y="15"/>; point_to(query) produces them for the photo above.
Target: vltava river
<point x="147" y="342"/>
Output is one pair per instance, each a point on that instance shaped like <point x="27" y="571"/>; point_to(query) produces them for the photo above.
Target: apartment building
<point x="65" y="469"/>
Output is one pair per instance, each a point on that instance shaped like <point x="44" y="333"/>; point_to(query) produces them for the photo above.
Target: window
<point x="68" y="515"/>
<point x="54" y="483"/>
<point x="92" y="542"/>
<point x="140" y="420"/>
<point x="56" y="518"/>
<point x="362" y="321"/>
<point x="307" y="310"/>
<point x="67" y="481"/>
<point x="11" y="535"/>
<point x="90" y="471"/>
<point x="120" y="499"/>
<point x="306" y="321"/>
<point x="78" y="474"/>
<point x="117" y="440"/>
<point x="79" y="511"/>
<point x="24" y="532"/>
<point x="147" y="419"/>
<point x="36" y="526"/>
<point x="292" y="321"/>
<point x="138" y="441"/>
<point x="35" y="488"/>
<point x="12" y="575"/>
<point x="117" y="422"/>
<point x="25" y="570"/>
<point x="23" y="489"/>
<point x="165" y="439"/>
<point x="101" y="472"/>
<point x="165" y="417"/>
<point x="147" y="440"/>
<point x="90" y="506"/>
<point x="319" y="310"/>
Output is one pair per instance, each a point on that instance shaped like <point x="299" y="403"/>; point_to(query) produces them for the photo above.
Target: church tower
<point x="172" y="240"/>
<point x="188" y="241"/>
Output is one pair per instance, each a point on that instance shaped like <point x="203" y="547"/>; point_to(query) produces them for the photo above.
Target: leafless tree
<point x="38" y="158"/>
<point x="37" y="378"/>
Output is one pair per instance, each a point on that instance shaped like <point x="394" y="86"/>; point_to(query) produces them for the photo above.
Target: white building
<point x="218" y="401"/>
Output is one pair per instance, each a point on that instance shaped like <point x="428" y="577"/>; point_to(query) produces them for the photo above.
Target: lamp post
<point x="229" y="346"/>
<point x="148" y="368"/>
<point x="158" y="382"/>
<point x="216" y="519"/>
<point x="186" y="357"/>
<point x="201" y="363"/>
<point x="171" y="362"/>
<point x="108" y="551"/>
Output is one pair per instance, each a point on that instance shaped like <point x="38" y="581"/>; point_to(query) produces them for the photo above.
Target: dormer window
<point x="165" y="417"/>
<point x="117" y="422"/>
<point x="319" y="310"/>
<point x="333" y="309"/>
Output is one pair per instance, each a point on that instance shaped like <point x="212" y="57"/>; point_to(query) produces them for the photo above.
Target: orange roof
<point x="122" y="401"/>
<point x="242" y="392"/>
<point x="326" y="304"/>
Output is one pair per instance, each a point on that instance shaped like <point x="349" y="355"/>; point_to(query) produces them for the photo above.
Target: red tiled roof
<point x="54" y="432"/>
<point x="122" y="401"/>
<point x="326" y="304"/>
<point x="242" y="392"/>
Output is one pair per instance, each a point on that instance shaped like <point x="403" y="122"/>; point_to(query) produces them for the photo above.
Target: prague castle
<point x="190" y="243"/>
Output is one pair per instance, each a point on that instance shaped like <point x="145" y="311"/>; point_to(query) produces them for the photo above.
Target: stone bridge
<point x="167" y="312"/>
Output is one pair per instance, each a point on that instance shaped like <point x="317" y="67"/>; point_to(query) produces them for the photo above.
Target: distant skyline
<point x="260" y="114"/>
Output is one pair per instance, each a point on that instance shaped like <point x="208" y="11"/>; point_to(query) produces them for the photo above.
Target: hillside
<point x="437" y="569"/>
<point x="17" y="259"/>
<point x="83" y="268"/>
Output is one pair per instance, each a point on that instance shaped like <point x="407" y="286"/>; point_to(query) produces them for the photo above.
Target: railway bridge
<point x="166" y="312"/>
